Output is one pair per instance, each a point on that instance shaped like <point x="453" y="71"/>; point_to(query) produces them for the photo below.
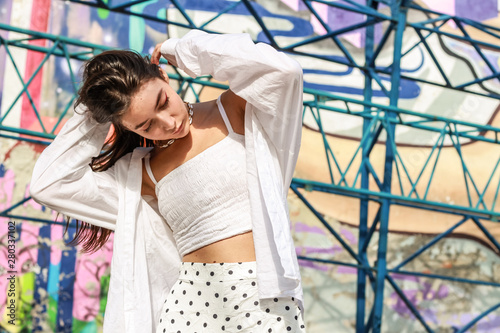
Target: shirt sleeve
<point x="63" y="180"/>
<point x="270" y="81"/>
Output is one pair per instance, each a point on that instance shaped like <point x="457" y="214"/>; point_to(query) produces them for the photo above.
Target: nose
<point x="167" y="121"/>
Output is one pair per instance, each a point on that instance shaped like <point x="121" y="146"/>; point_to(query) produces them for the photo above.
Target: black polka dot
<point x="216" y="295"/>
<point x="302" y="326"/>
<point x="256" y="303"/>
<point x="197" y="314"/>
<point x="184" y="292"/>
<point x="185" y="272"/>
<point x="204" y="324"/>
<point x="223" y="328"/>
<point x="233" y="287"/>
<point x="191" y="282"/>
<point x="236" y="307"/>
<point x="279" y="318"/>
<point x="197" y="273"/>
<point x="160" y="320"/>
<point x="239" y="327"/>
<point x="215" y="316"/>
<point x="275" y="299"/>
<point x="172" y="292"/>
<point x="267" y="310"/>
<point x="221" y="263"/>
<point x="172" y="321"/>
<point x="230" y="272"/>
<point x="180" y="282"/>
<point x="164" y="330"/>
<point x="224" y="299"/>
<point x="239" y="263"/>
<point x="182" y="312"/>
<point x="247" y="315"/>
<point x="208" y="283"/>
<point x="296" y="317"/>
<point x="287" y="308"/>
<point x="190" y="302"/>
<point x="293" y="299"/>
<point x="288" y="328"/>
<point x="199" y="293"/>
<point x="228" y="319"/>
<point x="253" y="284"/>
<point x="259" y="322"/>
<point x="270" y="330"/>
<point x="188" y="323"/>
<point x="207" y="304"/>
<point x="250" y="271"/>
<point x="176" y="301"/>
<point x="212" y="273"/>
<point x="244" y="295"/>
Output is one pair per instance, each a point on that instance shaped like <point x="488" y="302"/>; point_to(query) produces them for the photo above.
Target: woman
<point x="201" y="229"/>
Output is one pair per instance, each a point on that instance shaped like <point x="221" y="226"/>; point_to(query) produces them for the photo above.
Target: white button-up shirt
<point x="145" y="260"/>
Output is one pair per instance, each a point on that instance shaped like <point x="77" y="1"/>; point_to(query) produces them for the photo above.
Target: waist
<point x="237" y="248"/>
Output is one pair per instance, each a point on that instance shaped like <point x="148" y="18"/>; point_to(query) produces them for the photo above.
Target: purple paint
<point x="306" y="250"/>
<point x="349" y="236"/>
<point x="302" y="227"/>
<point x="476" y="10"/>
<point x="310" y="264"/>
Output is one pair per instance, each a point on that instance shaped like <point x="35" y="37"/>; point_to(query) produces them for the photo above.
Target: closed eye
<point x="149" y="127"/>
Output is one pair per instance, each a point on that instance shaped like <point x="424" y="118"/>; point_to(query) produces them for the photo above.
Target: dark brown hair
<point x="110" y="80"/>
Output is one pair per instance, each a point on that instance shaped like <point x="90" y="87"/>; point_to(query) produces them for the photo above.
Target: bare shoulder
<point x="234" y="106"/>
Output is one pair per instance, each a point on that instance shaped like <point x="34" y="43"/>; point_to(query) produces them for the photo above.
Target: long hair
<point x="110" y="80"/>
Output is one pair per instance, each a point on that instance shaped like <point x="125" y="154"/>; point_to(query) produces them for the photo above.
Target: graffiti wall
<point x="59" y="289"/>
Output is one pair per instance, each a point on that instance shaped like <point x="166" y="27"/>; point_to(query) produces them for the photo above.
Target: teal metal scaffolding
<point x="380" y="123"/>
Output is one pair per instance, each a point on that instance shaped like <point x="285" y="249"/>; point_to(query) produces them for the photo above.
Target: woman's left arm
<point x="268" y="80"/>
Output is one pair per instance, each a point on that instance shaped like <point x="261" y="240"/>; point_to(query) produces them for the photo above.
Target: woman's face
<point x="156" y="112"/>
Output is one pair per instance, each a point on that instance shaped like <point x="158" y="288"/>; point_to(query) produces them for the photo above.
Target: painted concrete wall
<point x="61" y="290"/>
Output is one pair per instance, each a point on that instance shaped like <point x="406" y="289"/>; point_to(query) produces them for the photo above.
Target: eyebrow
<point x="157" y="102"/>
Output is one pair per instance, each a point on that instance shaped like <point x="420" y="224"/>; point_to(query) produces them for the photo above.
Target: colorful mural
<point x="58" y="289"/>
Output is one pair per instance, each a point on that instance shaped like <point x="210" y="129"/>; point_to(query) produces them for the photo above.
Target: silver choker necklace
<point x="190" y="113"/>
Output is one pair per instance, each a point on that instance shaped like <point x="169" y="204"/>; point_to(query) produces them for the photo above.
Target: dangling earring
<point x="169" y="142"/>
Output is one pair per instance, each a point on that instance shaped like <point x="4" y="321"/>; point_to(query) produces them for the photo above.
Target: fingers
<point x="156" y="55"/>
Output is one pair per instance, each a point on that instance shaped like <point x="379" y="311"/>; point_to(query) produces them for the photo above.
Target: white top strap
<point x="148" y="169"/>
<point x="224" y="116"/>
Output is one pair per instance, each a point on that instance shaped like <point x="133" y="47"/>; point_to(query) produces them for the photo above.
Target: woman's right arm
<point x="63" y="180"/>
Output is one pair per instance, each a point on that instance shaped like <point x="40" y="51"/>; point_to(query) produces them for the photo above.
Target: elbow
<point x="292" y="71"/>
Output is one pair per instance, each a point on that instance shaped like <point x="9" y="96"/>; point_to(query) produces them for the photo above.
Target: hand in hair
<point x="156" y="55"/>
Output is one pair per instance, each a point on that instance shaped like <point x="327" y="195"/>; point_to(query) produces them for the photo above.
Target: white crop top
<point x="205" y="199"/>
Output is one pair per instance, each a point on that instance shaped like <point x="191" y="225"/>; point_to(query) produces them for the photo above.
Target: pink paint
<point x="7" y="183"/>
<point x="39" y="22"/>
<point x="322" y="11"/>
<point x="89" y="269"/>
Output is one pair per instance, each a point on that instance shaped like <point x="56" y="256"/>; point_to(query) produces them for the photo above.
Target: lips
<point x="179" y="129"/>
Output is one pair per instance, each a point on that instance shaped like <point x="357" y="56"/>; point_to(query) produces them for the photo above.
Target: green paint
<point x="103" y="13"/>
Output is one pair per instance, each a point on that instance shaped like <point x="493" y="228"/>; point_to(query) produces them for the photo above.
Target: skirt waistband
<point x="227" y="271"/>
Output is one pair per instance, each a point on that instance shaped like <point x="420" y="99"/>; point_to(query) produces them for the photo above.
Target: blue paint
<point x="2" y="170"/>
<point x="41" y="280"/>
<point x="53" y="283"/>
<point x="66" y="287"/>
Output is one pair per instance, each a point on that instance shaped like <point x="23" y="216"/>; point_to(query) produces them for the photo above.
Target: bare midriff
<point x="238" y="248"/>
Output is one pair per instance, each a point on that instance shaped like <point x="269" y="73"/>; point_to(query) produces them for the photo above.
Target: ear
<point x="164" y="74"/>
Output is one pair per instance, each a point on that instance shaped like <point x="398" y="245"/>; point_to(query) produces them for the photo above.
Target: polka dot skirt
<point x="223" y="297"/>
